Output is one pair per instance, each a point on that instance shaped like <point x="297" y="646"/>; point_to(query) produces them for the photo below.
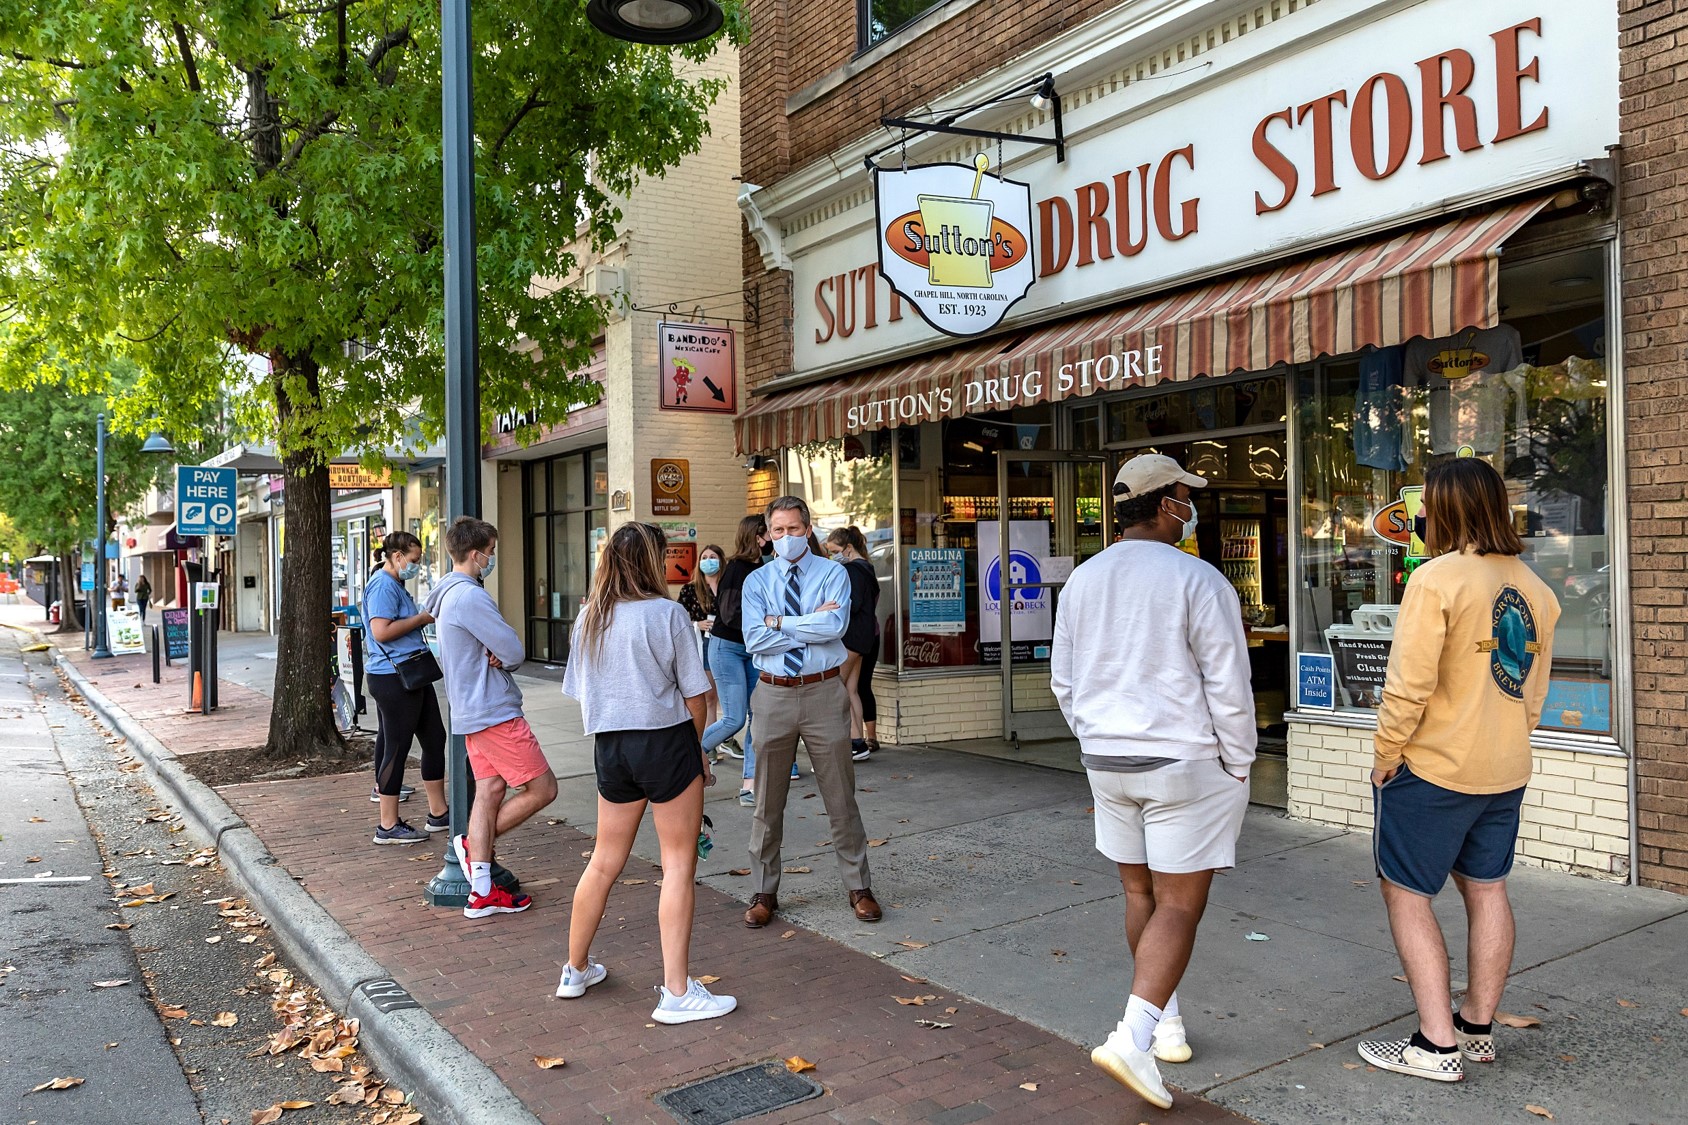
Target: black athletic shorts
<point x="647" y="765"/>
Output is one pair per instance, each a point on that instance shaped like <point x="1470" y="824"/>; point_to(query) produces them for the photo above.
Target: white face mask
<point x="486" y="571"/>
<point x="1189" y="524"/>
<point x="409" y="570"/>
<point x="790" y="547"/>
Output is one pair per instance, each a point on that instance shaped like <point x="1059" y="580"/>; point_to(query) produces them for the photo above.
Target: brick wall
<point x="1653" y="41"/>
<point x="1575" y="815"/>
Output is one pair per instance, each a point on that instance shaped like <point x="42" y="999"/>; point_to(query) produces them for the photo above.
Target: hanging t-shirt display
<point x="1379" y="411"/>
<point x="1468" y="378"/>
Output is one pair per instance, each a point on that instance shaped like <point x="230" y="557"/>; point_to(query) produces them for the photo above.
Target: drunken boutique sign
<point x="955" y="243"/>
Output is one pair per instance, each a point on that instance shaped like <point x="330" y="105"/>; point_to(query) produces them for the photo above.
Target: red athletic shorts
<point x="508" y="750"/>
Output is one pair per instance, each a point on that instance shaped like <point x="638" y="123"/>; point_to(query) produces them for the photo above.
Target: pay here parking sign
<point x="205" y="500"/>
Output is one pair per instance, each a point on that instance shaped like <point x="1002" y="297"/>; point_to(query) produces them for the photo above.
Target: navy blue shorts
<point x="1425" y="832"/>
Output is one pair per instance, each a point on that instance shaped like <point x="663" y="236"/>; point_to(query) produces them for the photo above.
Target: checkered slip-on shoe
<point x="1476" y="1048"/>
<point x="1402" y="1057"/>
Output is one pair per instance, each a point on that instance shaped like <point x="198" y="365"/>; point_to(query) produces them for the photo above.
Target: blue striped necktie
<point x="793" y="608"/>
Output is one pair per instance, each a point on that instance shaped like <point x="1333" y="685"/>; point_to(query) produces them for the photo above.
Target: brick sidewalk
<point x="491" y="983"/>
<point x="242" y="717"/>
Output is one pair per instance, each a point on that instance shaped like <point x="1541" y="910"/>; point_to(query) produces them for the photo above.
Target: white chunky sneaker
<point x="1131" y="1068"/>
<point x="1402" y="1057"/>
<point x="697" y="1003"/>
<point x="1170" y="1045"/>
<point x="575" y="981"/>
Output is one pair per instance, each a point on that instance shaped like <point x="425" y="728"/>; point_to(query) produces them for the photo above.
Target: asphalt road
<point x="79" y="803"/>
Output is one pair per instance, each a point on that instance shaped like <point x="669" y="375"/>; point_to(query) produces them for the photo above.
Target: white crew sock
<point x="1140" y="1020"/>
<point x="1171" y="1008"/>
<point x="480" y="878"/>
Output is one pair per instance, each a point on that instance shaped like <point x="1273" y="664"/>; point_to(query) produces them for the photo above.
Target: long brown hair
<point x="746" y="545"/>
<point x="1466" y="506"/>
<point x="631" y="571"/>
<point x="700" y="581"/>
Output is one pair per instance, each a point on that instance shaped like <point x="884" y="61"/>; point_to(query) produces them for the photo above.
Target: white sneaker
<point x="1170" y="1045"/>
<point x="698" y="1003"/>
<point x="575" y="981"/>
<point x="1402" y="1057"/>
<point x="1131" y="1068"/>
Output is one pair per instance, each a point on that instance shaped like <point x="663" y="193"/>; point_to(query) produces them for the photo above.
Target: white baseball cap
<point x="1150" y="471"/>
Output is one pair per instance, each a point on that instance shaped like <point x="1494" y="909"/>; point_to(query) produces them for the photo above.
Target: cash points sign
<point x="955" y="243"/>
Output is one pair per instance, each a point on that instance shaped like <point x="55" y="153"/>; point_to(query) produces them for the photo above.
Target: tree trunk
<point x="69" y="579"/>
<point x="302" y="715"/>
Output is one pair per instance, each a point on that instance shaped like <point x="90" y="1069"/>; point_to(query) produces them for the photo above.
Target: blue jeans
<point x="735" y="679"/>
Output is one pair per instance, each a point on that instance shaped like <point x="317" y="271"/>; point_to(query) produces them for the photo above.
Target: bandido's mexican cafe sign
<point x="955" y="243"/>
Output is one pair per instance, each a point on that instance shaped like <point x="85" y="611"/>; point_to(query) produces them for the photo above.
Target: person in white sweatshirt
<point x="1150" y="667"/>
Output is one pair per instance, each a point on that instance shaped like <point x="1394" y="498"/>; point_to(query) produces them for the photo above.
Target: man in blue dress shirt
<point x="795" y="609"/>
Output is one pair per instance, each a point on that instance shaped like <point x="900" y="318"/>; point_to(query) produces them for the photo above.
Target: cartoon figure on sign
<point x="682" y="377"/>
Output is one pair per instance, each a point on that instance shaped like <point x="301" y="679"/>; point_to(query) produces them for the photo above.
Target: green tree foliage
<point x="48" y="485"/>
<point x="178" y="175"/>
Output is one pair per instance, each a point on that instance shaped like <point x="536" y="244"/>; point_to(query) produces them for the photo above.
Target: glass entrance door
<point x="1052" y="514"/>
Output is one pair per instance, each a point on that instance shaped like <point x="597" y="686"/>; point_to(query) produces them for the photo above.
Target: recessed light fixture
<point x="1575" y="281"/>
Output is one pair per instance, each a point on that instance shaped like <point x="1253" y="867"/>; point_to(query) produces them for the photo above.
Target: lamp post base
<point x="449" y="888"/>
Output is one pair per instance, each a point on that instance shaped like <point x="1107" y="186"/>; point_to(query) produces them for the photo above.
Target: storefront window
<point x="425" y="525"/>
<point x="848" y="482"/>
<point x="1529" y="397"/>
<point x="878" y="19"/>
<point x="567" y="501"/>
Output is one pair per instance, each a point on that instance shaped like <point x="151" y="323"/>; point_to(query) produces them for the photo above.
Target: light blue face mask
<point x="409" y="571"/>
<point x="486" y="571"/>
<point x="709" y="566"/>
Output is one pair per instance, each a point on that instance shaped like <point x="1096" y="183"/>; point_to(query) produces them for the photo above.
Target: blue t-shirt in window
<point x="384" y="596"/>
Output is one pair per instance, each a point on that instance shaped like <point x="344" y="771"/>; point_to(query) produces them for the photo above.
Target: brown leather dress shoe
<point x="761" y="911"/>
<point x="866" y="906"/>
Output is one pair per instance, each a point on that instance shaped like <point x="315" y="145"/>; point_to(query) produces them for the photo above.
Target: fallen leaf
<point x="912" y="944"/>
<point x="248" y="939"/>
<point x="296" y="1104"/>
<point x="111" y="983"/>
<point x="739" y="871"/>
<point x="1567" y="1058"/>
<point x="265" y="961"/>
<point x="109" y="1046"/>
<point x="545" y="1062"/>
<point x="1507" y="1019"/>
<point x="213" y="939"/>
<point x="877" y="843"/>
<point x="907" y="1000"/>
<point x="1058" y="952"/>
<point x="1028" y="1086"/>
<point x="392" y="1096"/>
<point x="797" y="870"/>
<point x="38" y="820"/>
<point x="1540" y="1111"/>
<point x="912" y="980"/>
<point x="1685" y="1011"/>
<point x="33" y="859"/>
<point x="226" y="1019"/>
<point x="58" y="1084"/>
<point x="1626" y="1003"/>
<point x="706" y="979"/>
<point x="632" y="882"/>
<point x="934" y="1024"/>
<point x="175" y="1013"/>
<point x="266" y="1116"/>
<point x="1400" y="977"/>
<point x="1350" y="1066"/>
<point x="797" y="1064"/>
<point x="788" y="935"/>
<point x="121" y="926"/>
<point x="951" y="1011"/>
<point x="137" y="892"/>
<point x="1316" y="1046"/>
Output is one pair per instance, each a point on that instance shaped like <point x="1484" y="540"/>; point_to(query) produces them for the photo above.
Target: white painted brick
<point x="1557" y="818"/>
<point x="1611" y="774"/>
<point x="1568" y="803"/>
<point x="1546" y="851"/>
<point x="1549" y="783"/>
<point x="1603" y="792"/>
<point x="1568" y="837"/>
<point x="1564" y="767"/>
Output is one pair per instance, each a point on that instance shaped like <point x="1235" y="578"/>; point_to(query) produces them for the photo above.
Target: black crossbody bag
<point x="415" y="671"/>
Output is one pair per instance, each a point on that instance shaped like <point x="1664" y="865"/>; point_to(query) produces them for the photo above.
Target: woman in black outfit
<point x="861" y="637"/>
<point x="697" y="598"/>
<point x="735" y="675"/>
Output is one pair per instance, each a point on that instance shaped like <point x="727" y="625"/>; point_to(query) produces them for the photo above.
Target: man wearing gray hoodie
<point x="478" y="652"/>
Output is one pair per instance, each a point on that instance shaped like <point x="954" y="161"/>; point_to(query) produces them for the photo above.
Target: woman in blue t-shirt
<point x="393" y="627"/>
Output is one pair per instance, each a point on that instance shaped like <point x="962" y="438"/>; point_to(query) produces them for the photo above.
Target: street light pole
<point x="102" y="649"/>
<point x="462" y="380"/>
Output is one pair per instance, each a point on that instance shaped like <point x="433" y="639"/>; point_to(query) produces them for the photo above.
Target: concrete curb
<point x="449" y="1082"/>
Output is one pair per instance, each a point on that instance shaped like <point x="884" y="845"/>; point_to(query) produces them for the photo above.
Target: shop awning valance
<point x="1429" y="281"/>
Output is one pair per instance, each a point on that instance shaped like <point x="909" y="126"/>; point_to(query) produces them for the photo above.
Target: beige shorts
<point x="1180" y="818"/>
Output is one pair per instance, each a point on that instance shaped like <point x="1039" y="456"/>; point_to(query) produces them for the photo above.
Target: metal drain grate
<point x="738" y="1094"/>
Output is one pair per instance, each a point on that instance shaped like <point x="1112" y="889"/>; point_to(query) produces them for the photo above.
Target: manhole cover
<point x="738" y="1094"/>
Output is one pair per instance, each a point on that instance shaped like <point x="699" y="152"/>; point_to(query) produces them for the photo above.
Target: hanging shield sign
<point x="955" y="242"/>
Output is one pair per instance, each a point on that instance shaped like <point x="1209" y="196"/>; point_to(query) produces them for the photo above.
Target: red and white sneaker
<point x="496" y="901"/>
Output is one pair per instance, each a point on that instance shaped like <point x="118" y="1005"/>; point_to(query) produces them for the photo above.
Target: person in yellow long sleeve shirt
<point x="1467" y="678"/>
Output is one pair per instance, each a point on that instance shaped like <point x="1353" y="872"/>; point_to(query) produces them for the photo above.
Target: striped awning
<point x="1429" y="281"/>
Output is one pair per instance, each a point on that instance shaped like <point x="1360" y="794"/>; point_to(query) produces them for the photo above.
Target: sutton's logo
<point x="1457" y="363"/>
<point x="955" y="243"/>
<point x="1513" y="645"/>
